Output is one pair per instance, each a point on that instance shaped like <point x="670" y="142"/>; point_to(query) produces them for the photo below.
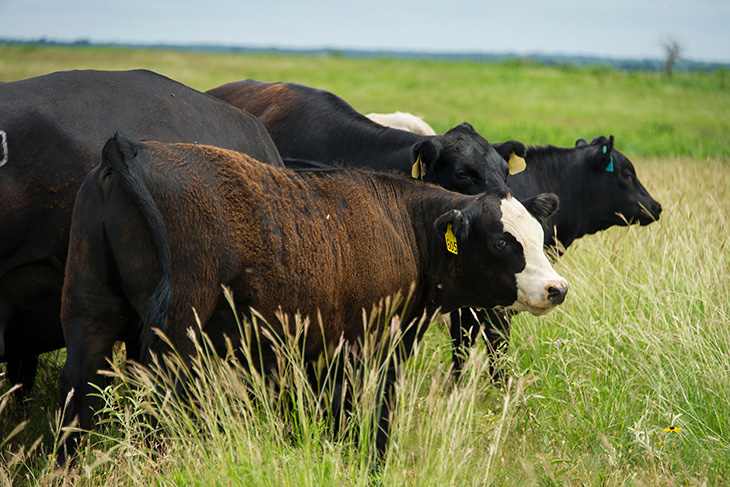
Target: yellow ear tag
<point x="418" y="170"/>
<point x="451" y="240"/>
<point x="516" y="164"/>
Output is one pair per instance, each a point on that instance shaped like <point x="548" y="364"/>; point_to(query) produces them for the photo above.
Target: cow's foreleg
<point x="496" y="326"/>
<point x="466" y="325"/>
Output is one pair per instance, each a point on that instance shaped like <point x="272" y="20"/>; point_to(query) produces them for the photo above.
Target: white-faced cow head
<point x="493" y="250"/>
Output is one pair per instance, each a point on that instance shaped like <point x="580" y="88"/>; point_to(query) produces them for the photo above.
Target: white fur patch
<point x="402" y="121"/>
<point x="538" y="275"/>
<point x="3" y="148"/>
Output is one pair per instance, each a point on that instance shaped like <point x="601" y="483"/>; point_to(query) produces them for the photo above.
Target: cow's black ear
<point x="603" y="160"/>
<point x="581" y="143"/>
<point x="542" y="206"/>
<point x="424" y="155"/>
<point x="514" y="152"/>
<point x="456" y="224"/>
<point x="506" y="149"/>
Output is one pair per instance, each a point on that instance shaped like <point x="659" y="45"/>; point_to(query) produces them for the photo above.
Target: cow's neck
<point x="415" y="207"/>
<point x="427" y="207"/>
<point x="371" y="145"/>
<point x="560" y="171"/>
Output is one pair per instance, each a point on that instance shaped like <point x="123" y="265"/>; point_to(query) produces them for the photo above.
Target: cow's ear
<point x="542" y="206"/>
<point x="453" y="228"/>
<point x="424" y="155"/>
<point x="604" y="158"/>
<point x="581" y="143"/>
<point x="514" y="152"/>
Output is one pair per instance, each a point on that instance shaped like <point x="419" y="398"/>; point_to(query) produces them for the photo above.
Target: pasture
<point x="628" y="383"/>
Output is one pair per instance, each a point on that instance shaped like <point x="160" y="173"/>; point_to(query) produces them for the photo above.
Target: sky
<point x="631" y="29"/>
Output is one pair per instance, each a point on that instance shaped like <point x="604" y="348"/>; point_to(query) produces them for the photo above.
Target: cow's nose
<point x="657" y="210"/>
<point x="557" y="292"/>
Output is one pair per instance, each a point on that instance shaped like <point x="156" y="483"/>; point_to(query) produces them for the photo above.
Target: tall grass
<point x="640" y="346"/>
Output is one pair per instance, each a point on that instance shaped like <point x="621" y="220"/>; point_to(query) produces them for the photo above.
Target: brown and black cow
<point x="310" y="125"/>
<point x="158" y="228"/>
<point x="51" y="130"/>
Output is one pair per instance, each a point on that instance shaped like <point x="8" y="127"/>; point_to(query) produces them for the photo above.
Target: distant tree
<point x="672" y="53"/>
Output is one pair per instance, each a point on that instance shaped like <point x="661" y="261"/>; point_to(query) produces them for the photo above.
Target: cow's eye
<point x="461" y="174"/>
<point x="500" y="244"/>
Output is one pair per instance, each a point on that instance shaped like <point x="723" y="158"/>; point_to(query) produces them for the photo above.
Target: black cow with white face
<point x="598" y="188"/>
<point x="315" y="125"/>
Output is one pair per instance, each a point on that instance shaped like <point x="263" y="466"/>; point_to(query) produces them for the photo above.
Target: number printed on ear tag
<point x="450" y="238"/>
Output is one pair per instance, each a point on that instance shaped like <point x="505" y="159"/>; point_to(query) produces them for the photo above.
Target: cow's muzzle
<point x="543" y="300"/>
<point x="556" y="293"/>
<point x="650" y="214"/>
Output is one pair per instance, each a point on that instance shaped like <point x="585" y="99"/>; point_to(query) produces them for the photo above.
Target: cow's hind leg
<point x="94" y="314"/>
<point x="89" y="348"/>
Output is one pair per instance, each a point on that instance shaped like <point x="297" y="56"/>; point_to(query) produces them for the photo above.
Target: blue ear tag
<point x="609" y="168"/>
<point x="604" y="149"/>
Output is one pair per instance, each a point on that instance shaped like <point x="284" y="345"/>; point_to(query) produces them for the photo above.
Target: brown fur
<point x="302" y="242"/>
<point x="268" y="101"/>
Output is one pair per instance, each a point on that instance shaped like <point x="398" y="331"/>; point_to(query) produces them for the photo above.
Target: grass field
<point x="627" y="384"/>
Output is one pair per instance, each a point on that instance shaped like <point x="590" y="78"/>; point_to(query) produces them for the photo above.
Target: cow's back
<point x="339" y="247"/>
<point x="90" y="106"/>
<point x="56" y="125"/>
<point x="52" y="130"/>
<point x="309" y="123"/>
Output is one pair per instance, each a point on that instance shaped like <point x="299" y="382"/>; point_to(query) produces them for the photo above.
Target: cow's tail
<point x="119" y="152"/>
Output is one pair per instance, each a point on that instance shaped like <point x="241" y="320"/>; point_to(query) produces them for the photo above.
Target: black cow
<point x="51" y="129"/>
<point x="598" y="188"/>
<point x="311" y="124"/>
<point x="157" y="228"/>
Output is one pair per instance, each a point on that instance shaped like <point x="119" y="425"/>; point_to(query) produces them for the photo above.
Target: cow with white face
<point x="539" y="287"/>
<point x="500" y="260"/>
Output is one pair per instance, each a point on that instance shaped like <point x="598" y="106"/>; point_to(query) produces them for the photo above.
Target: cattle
<point x="51" y="130"/>
<point x="316" y="125"/>
<point x="402" y="121"/>
<point x="598" y="188"/>
<point x="158" y="229"/>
